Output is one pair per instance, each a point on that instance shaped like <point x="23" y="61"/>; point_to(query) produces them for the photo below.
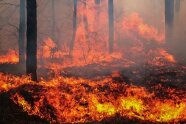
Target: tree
<point x="22" y="25"/>
<point x="53" y="21"/>
<point x="74" y="27"/>
<point x="169" y="18"/>
<point x="111" y="24"/>
<point x="31" y="49"/>
<point x="85" y="22"/>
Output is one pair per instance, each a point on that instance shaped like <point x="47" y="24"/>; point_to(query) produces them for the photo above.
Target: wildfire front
<point x="92" y="61"/>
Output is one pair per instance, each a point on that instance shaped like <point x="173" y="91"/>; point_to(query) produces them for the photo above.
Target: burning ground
<point x="157" y="97"/>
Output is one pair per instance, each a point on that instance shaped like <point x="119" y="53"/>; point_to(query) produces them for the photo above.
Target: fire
<point x="167" y="56"/>
<point x="46" y="50"/>
<point x="82" y="58"/>
<point x="6" y="81"/>
<point x="91" y="48"/>
<point x="82" y="100"/>
<point x="22" y="102"/>
<point x="132" y="103"/>
<point x="105" y="108"/>
<point x="170" y="111"/>
<point x="60" y="59"/>
<point x="11" y="57"/>
<point x="133" y="25"/>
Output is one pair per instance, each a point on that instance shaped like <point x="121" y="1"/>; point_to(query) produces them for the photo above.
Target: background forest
<point x="92" y="61"/>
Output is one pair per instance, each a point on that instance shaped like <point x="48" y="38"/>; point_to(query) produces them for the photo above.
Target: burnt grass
<point x="173" y="76"/>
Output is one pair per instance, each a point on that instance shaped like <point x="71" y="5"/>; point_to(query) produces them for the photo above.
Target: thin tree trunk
<point x="178" y="6"/>
<point x="97" y="17"/>
<point x="111" y="24"/>
<point x="53" y="21"/>
<point x="85" y="21"/>
<point x="169" y="18"/>
<point x="22" y="25"/>
<point x="31" y="61"/>
<point x="156" y="10"/>
<point x="74" y="27"/>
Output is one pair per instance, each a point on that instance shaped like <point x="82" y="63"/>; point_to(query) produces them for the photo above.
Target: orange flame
<point x="134" y="25"/>
<point x="76" y="100"/>
<point x="81" y="100"/>
<point x="11" y="57"/>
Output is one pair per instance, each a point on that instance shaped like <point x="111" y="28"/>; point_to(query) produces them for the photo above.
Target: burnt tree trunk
<point x="111" y="24"/>
<point x="169" y="19"/>
<point x="22" y="25"/>
<point x="74" y="27"/>
<point x="31" y="50"/>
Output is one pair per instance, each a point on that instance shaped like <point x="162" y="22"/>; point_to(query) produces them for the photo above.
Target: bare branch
<point x="9" y="4"/>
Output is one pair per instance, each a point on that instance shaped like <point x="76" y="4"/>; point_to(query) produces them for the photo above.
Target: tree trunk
<point x="74" y="27"/>
<point x="85" y="22"/>
<point x="97" y="17"/>
<point x="169" y="18"/>
<point x="22" y="25"/>
<point x="178" y="6"/>
<point x="97" y="1"/>
<point x="31" y="50"/>
<point x="111" y="24"/>
<point x="53" y="21"/>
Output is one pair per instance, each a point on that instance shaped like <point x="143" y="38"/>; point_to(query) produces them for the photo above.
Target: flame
<point x="6" y="81"/>
<point x="81" y="100"/>
<point x="90" y="48"/>
<point x="22" y="102"/>
<point x="133" y="25"/>
<point x="46" y="50"/>
<point x="131" y="103"/>
<point x="11" y="57"/>
<point x="167" y="56"/>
